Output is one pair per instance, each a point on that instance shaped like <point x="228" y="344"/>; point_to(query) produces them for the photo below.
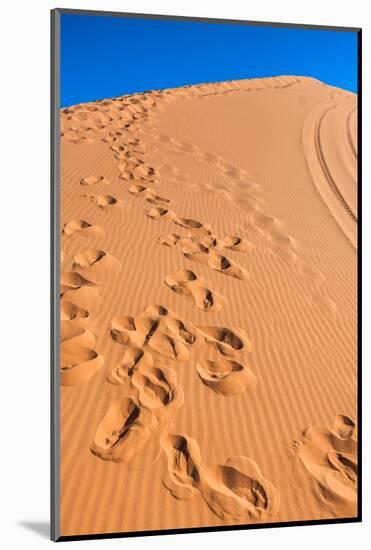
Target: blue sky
<point x="105" y="56"/>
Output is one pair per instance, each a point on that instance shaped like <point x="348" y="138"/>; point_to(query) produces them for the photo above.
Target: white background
<point x="25" y="264"/>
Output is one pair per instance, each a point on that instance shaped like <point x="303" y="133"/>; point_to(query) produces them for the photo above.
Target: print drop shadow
<point x="41" y="528"/>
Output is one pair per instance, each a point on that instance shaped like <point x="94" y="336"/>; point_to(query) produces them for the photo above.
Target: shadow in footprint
<point x="187" y="283"/>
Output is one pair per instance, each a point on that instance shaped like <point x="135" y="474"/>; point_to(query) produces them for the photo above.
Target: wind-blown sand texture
<point x="208" y="307"/>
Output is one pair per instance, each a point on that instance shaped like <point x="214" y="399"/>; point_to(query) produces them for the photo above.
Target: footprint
<point x="284" y="246"/>
<point x="186" y="283"/>
<point x="282" y="239"/>
<point x="89" y="257"/>
<point x="155" y="330"/>
<point x="124" y="174"/>
<point x="121" y="328"/>
<point x="130" y="164"/>
<point x="84" y="297"/>
<point x="152" y="198"/>
<point x="228" y="342"/>
<point x="156" y="310"/>
<point x="116" y="148"/>
<point x="265" y="222"/>
<point x="169" y="347"/>
<point x="78" y="358"/>
<point x="70" y="311"/>
<point x="179" y="281"/>
<point x="104" y="201"/>
<point x="225" y="376"/>
<point x="168" y="240"/>
<point x="233" y="491"/>
<point x="137" y="189"/>
<point x="136" y="331"/>
<point x="209" y="241"/>
<point x="148" y="193"/>
<point x="330" y="456"/>
<point x="194" y="225"/>
<point x="71" y="280"/>
<point x="84" y="228"/>
<point x="157" y="212"/>
<point x="184" y="147"/>
<point x="146" y="326"/>
<point x="133" y="359"/>
<point x="94" y="180"/>
<point x="185" y="332"/>
<point x="344" y="480"/>
<point x="209" y="158"/>
<point x="123" y="432"/>
<point x="84" y="140"/>
<point x="157" y="387"/>
<point x="94" y="264"/>
<point x="135" y="146"/>
<point x="130" y="167"/>
<point x="344" y="426"/>
<point x="234" y="242"/>
<point x="224" y="265"/>
<point x="184" y="465"/>
<point x="143" y="172"/>
<point x="241" y="492"/>
<point x="194" y="251"/>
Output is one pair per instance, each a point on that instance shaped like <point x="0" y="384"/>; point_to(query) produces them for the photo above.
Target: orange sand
<point x="208" y="309"/>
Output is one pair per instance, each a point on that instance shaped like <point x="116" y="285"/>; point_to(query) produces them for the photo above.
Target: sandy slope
<point x="208" y="307"/>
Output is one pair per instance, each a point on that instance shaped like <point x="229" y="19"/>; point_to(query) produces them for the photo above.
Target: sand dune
<point x="208" y="307"/>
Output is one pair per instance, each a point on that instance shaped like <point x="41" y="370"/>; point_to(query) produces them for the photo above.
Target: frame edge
<point x="54" y="276"/>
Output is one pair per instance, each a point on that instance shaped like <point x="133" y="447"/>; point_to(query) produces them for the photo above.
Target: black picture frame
<point x="55" y="273"/>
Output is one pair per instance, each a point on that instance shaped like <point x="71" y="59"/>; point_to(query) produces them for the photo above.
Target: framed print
<point x="206" y="182"/>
